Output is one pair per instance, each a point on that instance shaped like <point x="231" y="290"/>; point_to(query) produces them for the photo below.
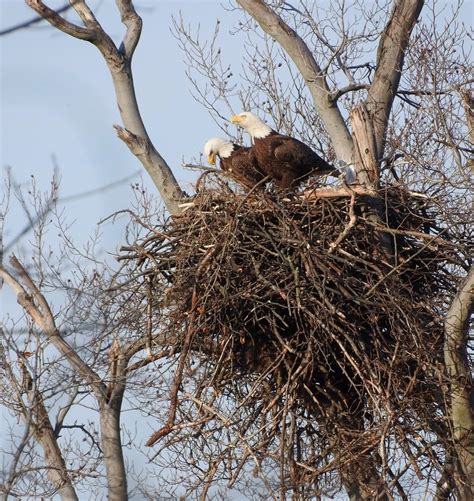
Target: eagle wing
<point x="296" y="153"/>
<point x="243" y="167"/>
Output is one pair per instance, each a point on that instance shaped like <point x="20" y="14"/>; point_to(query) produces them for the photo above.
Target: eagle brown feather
<point x="238" y="161"/>
<point x="285" y="159"/>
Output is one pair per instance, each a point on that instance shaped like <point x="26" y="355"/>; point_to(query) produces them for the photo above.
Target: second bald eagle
<point x="285" y="159"/>
<point x="238" y="161"/>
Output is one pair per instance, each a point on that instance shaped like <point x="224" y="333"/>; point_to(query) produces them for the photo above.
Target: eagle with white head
<point x="285" y="159"/>
<point x="238" y="161"/>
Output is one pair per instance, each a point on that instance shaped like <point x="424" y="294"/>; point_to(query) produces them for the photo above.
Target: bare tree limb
<point x="390" y="57"/>
<point x="46" y="437"/>
<point x="59" y="22"/>
<point x="133" y="22"/>
<point x="299" y="52"/>
<point x="335" y="95"/>
<point x="31" y="22"/>
<point x="457" y="366"/>
<point x="119" y="63"/>
<point x="34" y="303"/>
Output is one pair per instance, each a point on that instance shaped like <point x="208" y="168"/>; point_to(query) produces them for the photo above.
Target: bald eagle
<point x="285" y="159"/>
<point x="238" y="161"/>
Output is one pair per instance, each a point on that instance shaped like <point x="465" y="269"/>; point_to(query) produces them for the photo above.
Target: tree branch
<point x="299" y="52"/>
<point x="390" y="58"/>
<point x="31" y="22"/>
<point x="335" y="95"/>
<point x="457" y="367"/>
<point x="44" y="434"/>
<point x="59" y="22"/>
<point x="119" y="63"/>
<point x="133" y="22"/>
<point x="34" y="303"/>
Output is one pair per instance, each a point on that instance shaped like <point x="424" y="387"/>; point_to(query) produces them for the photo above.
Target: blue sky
<point x="58" y="107"/>
<point x="58" y="100"/>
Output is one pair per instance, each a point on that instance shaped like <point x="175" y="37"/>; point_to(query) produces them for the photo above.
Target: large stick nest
<point x="298" y="303"/>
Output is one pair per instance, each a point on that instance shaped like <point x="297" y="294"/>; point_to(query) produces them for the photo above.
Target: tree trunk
<point x="457" y="367"/>
<point x="141" y="145"/>
<point x="390" y="58"/>
<point x="112" y="448"/>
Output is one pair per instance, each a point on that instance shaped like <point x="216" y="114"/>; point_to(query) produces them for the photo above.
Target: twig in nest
<point x="347" y="229"/>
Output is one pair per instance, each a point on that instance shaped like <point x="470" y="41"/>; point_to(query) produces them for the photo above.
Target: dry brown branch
<point x="178" y="379"/>
<point x="347" y="229"/>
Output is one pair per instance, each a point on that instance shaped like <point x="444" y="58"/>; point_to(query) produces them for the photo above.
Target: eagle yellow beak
<point x="236" y="119"/>
<point x="212" y="158"/>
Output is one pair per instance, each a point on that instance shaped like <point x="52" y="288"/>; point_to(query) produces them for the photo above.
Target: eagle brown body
<point x="238" y="161"/>
<point x="285" y="159"/>
<point x="243" y="167"/>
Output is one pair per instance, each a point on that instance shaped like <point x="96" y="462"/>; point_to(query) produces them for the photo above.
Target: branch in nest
<point x="347" y="229"/>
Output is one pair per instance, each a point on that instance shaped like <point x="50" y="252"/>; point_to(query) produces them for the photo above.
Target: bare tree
<point x="54" y="363"/>
<point x="385" y="87"/>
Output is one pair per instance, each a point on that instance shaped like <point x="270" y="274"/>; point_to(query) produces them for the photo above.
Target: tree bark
<point x="139" y="142"/>
<point x="390" y="57"/>
<point x="365" y="160"/>
<point x="315" y="80"/>
<point x="457" y="366"/>
<point x="44" y="433"/>
<point x="113" y="454"/>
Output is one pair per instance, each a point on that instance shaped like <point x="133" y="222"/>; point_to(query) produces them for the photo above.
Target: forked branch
<point x="119" y="63"/>
<point x="390" y="57"/>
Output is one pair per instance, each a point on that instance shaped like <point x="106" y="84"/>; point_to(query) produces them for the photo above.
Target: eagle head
<point x="217" y="147"/>
<point x="252" y="124"/>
